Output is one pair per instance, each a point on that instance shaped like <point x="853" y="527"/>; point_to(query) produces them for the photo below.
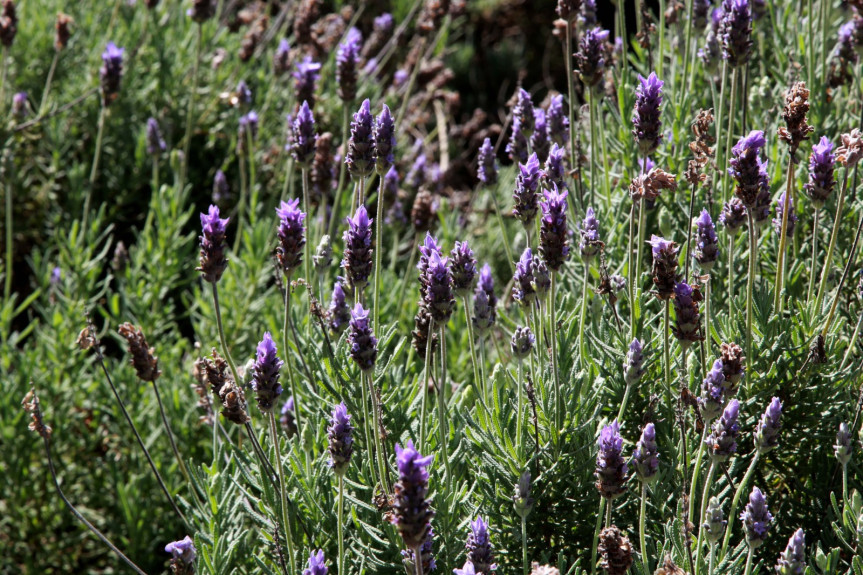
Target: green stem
<point x="632" y="271"/>
<point x="783" y="238"/>
<point x="47" y="89"/>
<point x="661" y="45"/>
<point x="731" y="277"/>
<point x="341" y="526"/>
<point x="286" y="329"/>
<point x="524" y="564"/>
<point x="852" y="344"/>
<point x="592" y="110"/>
<point x="729" y="136"/>
<point x="286" y="524"/>
<point x="552" y="333"/>
<point x="424" y="382"/>
<point x="718" y="125"/>
<point x="828" y="259"/>
<point x="443" y="426"/>
<point x="581" y="341"/>
<point x="241" y="204"/>
<point x="636" y="273"/>
<point x="337" y="203"/>
<point x="708" y="481"/>
<point x="605" y="170"/>
<point x="473" y="357"/>
<point x="645" y="559"/>
<point x="845" y="484"/>
<point x="811" y="291"/>
<point x="712" y="558"/>
<point x="308" y="206"/>
<point x="503" y="234"/>
<point x="810" y="53"/>
<point x="418" y="562"/>
<point x="666" y="345"/>
<point x="94" y="169"/>
<point x="224" y="343"/>
<point x="686" y="49"/>
<point x="596" y="530"/>
<point x="696" y="471"/>
<point x="7" y="288"/>
<point x="410" y="87"/>
<point x="748" y="561"/>
<point x="176" y="451"/>
<point x="4" y="69"/>
<point x="518" y="420"/>
<point x="369" y="432"/>
<point x="379" y="248"/>
<point x="382" y="466"/>
<point x="569" y="81"/>
<point x="750" y="287"/>
<point x="741" y="487"/>
<point x="708" y="338"/>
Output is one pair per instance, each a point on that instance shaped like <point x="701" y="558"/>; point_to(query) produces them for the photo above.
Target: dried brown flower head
<point x="733" y="362"/>
<point x="233" y="403"/>
<point x="321" y="173"/>
<point x="851" y="150"/>
<point x="796" y="127"/>
<point x="253" y="37"/>
<point x="61" y="38"/>
<point x="432" y="16"/>
<point x="30" y="403"/>
<point x="8" y="23"/>
<point x="205" y="402"/>
<point x="85" y="338"/>
<point x="307" y="15"/>
<point x="648" y="186"/>
<point x="700" y="147"/>
<point x="216" y="372"/>
<point x="145" y="363"/>
<point x="616" y="551"/>
<point x="669" y="568"/>
<point x="424" y="212"/>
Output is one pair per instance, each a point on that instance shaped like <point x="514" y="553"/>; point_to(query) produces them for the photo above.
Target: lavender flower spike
<point x="792" y="561"/>
<point x="479" y="549"/>
<point x="756" y="519"/>
<point x="821" y="179"/>
<point x="553" y="233"/>
<point x="664" y="266"/>
<point x="557" y="121"/>
<point x="722" y="442"/>
<point x="339" y="313"/>
<point x="357" y="259"/>
<point x="282" y="58"/>
<point x="265" y="374"/>
<point x="522" y="113"/>
<point x="590" y="58"/>
<point x="360" y="158"/>
<point x="304" y="138"/>
<point x="792" y="217"/>
<point x="183" y="554"/>
<point x="317" y="564"/>
<point x="111" y="72"/>
<point x="463" y="269"/>
<point x="522" y="501"/>
<point x="747" y="168"/>
<point x="736" y="32"/>
<point x="644" y="458"/>
<point x="842" y="447"/>
<point x="767" y="430"/>
<point x="341" y="439"/>
<point x="646" y="122"/>
<point x="438" y="289"/>
<point x="486" y="171"/>
<point x="611" y="468"/>
<point x="714" y="521"/>
<point x="522" y="289"/>
<point x="541" y="278"/>
<point x="363" y="344"/>
<point x="713" y="393"/>
<point x="539" y="139"/>
<point x="385" y="141"/>
<point x="707" y="247"/>
<point x="213" y="261"/>
<point x="347" y="59"/>
<point x="522" y="343"/>
<point x="525" y="196"/>
<point x="155" y="144"/>
<point x="554" y="172"/>
<point x="733" y="216"/>
<point x="305" y="80"/>
<point x="411" y="509"/>
<point x="633" y="365"/>
<point x="590" y="242"/>
<point x="289" y="252"/>
<point x="484" y="302"/>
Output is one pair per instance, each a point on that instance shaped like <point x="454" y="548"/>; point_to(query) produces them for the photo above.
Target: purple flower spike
<point x="707" y="247"/>
<point x="792" y="561"/>
<point x="756" y="519"/>
<point x="438" y="293"/>
<point x="525" y="197"/>
<point x="516" y="147"/>
<point x="304" y="139"/>
<point x="736" y="32"/>
<point x="292" y="237"/>
<point x="221" y="189"/>
<point x="484" y="302"/>
<point x="202" y="10"/>
<point x="664" y="266"/>
<point x="821" y="178"/>
<point x="842" y="447"/>
<point x="213" y="261"/>
<point x="282" y="58"/>
<point x="486" y="170"/>
<point x="541" y="278"/>
<point x="426" y="554"/>
<point x="340" y="434"/>
<point x="306" y="80"/>
<point x="557" y="121"/>
<point x="792" y="217"/>
<point x="183" y="554"/>
<point x="155" y="144"/>
<point x="767" y="431"/>
<point x="357" y="259"/>
<point x="360" y="158"/>
<point x="539" y="138"/>
<point x="687" y="318"/>
<point x="644" y="458"/>
<point x="590" y="242"/>
<point x="722" y="441"/>
<point x="633" y="365"/>
<point x="522" y="289"/>
<point x="265" y="374"/>
<point x="646" y="121"/>
<point x="553" y="233"/>
<point x="554" y="173"/>
<point x="700" y="11"/>
<point x="19" y="105"/>
<point x="522" y="113"/>
<point x="590" y="58"/>
<point x="317" y="564"/>
<point x="347" y="58"/>
<point x="339" y="312"/>
<point x="611" y="468"/>
<point x="733" y="216"/>
<point x="363" y="343"/>
<point x="385" y="141"/>
<point x="463" y="269"/>
<point x="480" y="552"/>
<point x="244" y="94"/>
<point x="748" y="170"/>
<point x="411" y="509"/>
<point x="714" y="392"/>
<point x="427" y="249"/>
<point x="522" y="343"/>
<point x="111" y="72"/>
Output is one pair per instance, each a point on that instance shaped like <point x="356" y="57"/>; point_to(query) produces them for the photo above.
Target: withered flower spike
<point x="146" y="364"/>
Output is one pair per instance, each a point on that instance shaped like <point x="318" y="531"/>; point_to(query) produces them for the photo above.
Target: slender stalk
<point x="7" y="263"/>
<point x="783" y="238"/>
<point x="176" y="451"/>
<point x="815" y="228"/>
<point x="443" y="426"/>
<point x="686" y="48"/>
<point x="253" y="194"/>
<point x="94" y="169"/>
<point x="241" y="204"/>
<point x="47" y="89"/>
<point x="518" y="420"/>
<point x="609" y="508"/>
<point x="845" y="484"/>
<point x="470" y="336"/>
<point x="741" y="487"/>
<point x="731" y="277"/>
<point x="341" y="519"/>
<point x="308" y="206"/>
<point x="552" y="331"/>
<point x="503" y="234"/>
<point x="379" y="248"/>
<point x="661" y="44"/>
<point x="367" y="428"/>
<point x="718" y="126"/>
<point x="569" y="77"/>
<point x="828" y="259"/>
<point x="286" y="524"/>
<point x="4" y="69"/>
<point x="845" y="272"/>
<point x="636" y="273"/>
<point x="80" y="517"/>
<point x="729" y="135"/>
<point x="408" y="270"/>
<point x="140" y="441"/>
<point x="337" y="203"/>
<point x="592" y="110"/>
<point x="696" y="470"/>
<point x="524" y="564"/>
<point x="424" y="388"/>
<point x="712" y="559"/>
<point x="382" y="467"/>
<point x="225" y="349"/>
<point x="596" y="530"/>
<point x="666" y="345"/>
<point x="286" y="329"/>
<point x="581" y="341"/>
<point x="708" y="481"/>
<point x="645" y="559"/>
<point x="605" y="170"/>
<point x="418" y="562"/>
<point x="632" y="271"/>
<point x="190" y="108"/>
<point x="852" y="344"/>
<point x="810" y="53"/>
<point x="708" y="339"/>
<point x="748" y="561"/>
<point x="750" y="286"/>
<point x="688" y="257"/>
